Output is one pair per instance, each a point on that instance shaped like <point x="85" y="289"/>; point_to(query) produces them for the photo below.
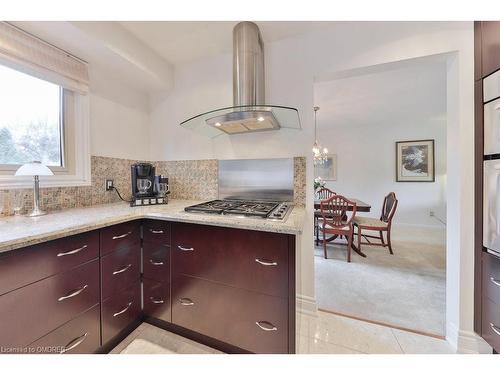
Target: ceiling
<point x="401" y="95"/>
<point x="180" y="42"/>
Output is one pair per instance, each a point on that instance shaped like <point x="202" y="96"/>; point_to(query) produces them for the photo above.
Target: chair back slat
<point x="324" y="193"/>
<point x="334" y="211"/>
<point x="389" y="207"/>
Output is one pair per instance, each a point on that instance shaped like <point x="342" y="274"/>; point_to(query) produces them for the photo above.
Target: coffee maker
<point x="145" y="186"/>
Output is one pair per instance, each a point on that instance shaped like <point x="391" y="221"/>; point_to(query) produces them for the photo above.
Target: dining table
<point x="360" y="207"/>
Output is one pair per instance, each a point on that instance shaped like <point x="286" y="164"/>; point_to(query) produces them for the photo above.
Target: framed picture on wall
<point x="328" y="170"/>
<point x="415" y="161"/>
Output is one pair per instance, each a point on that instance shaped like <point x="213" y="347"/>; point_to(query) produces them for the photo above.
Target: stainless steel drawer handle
<point x="74" y="293"/>
<point x="71" y="252"/>
<point x="74" y="343"/>
<point x="156" y="231"/>
<point x="185" y="248"/>
<point x="265" y="262"/>
<point x="495" y="329"/>
<point x="186" y="302"/>
<point x="156" y="263"/>
<point x="123" y="310"/>
<point x="157" y="301"/>
<point x="266" y="326"/>
<point x="121" y="236"/>
<point x="496" y="282"/>
<point x="123" y="269"/>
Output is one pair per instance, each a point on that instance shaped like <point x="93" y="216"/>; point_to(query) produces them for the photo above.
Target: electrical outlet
<point x="109" y="185"/>
<point x="431" y="213"/>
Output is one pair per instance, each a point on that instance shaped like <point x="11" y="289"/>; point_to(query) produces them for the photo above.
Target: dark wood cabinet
<point x="120" y="236"/>
<point x="490" y="46"/>
<point x="120" y="269"/>
<point x="157" y="299"/>
<point x="80" y="335"/>
<point x="156" y="261"/>
<point x="120" y="310"/>
<point x="252" y="321"/>
<point x="231" y="288"/>
<point x="22" y="267"/>
<point x="245" y="259"/>
<point x="33" y="311"/>
<point x="235" y="285"/>
<point x="487" y="267"/>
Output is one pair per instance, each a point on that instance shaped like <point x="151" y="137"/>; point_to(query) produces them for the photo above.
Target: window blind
<point x="25" y="52"/>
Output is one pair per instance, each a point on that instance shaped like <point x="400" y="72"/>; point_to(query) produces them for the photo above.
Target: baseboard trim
<point x="306" y="305"/>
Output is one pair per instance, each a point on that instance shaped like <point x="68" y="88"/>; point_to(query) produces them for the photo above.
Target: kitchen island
<point x="80" y="280"/>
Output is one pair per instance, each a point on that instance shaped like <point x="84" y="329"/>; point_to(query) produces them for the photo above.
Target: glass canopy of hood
<point x="243" y="119"/>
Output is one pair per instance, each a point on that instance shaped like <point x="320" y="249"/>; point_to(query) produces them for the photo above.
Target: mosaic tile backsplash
<point x="188" y="179"/>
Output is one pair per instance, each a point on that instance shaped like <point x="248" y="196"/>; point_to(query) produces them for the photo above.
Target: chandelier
<point x="320" y="154"/>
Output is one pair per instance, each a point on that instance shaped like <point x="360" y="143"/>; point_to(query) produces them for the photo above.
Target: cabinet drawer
<point x="156" y="231"/>
<point x="156" y="258"/>
<point x="120" y="310"/>
<point x="120" y="269"/>
<point x="79" y="336"/>
<point x="251" y="321"/>
<point x="491" y="277"/>
<point x="25" y="266"/>
<point x="157" y="299"/>
<point x="242" y="258"/>
<point x="120" y="236"/>
<point x="491" y="323"/>
<point x="31" y="312"/>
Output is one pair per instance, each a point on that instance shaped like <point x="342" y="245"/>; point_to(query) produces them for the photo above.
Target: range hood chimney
<point x="249" y="112"/>
<point x="248" y="65"/>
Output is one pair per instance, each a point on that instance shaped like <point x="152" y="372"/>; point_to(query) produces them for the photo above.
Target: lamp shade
<point x="35" y="168"/>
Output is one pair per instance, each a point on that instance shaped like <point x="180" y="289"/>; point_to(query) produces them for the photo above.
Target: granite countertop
<point x="21" y="231"/>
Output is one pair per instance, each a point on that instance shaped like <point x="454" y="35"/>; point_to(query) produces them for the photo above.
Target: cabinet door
<point x="491" y="277"/>
<point x="248" y="320"/>
<point x="121" y="236"/>
<point x="120" y="269"/>
<point x="490" y="34"/>
<point x="242" y="258"/>
<point x="25" y="266"/>
<point x="491" y="323"/>
<point x="119" y="311"/>
<point x="157" y="299"/>
<point x="31" y="312"/>
<point x="156" y="231"/>
<point x="80" y="335"/>
<point x="156" y="261"/>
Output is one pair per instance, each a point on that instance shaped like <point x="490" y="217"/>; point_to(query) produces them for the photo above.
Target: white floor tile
<point x="353" y="334"/>
<point x="412" y="343"/>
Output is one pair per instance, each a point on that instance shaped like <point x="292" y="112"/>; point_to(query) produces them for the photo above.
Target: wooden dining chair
<point x="335" y="222"/>
<point x="379" y="225"/>
<point x="322" y="194"/>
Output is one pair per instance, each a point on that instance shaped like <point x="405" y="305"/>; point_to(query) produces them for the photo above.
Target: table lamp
<point x="35" y="169"/>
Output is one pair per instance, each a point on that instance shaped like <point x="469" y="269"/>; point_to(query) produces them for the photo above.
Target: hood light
<point x="260" y="119"/>
<point x="217" y="124"/>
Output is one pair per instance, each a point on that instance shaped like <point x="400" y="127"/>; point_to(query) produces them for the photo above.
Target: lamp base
<point x="36" y="212"/>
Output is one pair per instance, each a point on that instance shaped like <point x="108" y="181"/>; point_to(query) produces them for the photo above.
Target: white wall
<point x="291" y="67"/>
<point x="360" y="119"/>
<point x="119" y="119"/>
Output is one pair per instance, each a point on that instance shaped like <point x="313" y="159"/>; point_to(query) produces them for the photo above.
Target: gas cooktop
<point x="260" y="209"/>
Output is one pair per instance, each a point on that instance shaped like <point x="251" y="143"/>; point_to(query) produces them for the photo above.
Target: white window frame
<point x="76" y="150"/>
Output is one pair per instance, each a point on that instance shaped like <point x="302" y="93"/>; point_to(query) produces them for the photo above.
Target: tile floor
<point x="324" y="334"/>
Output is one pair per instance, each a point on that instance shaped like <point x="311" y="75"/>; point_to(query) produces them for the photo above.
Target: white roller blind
<point x="31" y="55"/>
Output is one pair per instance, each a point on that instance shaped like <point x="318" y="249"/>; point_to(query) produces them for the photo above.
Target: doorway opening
<point x="385" y="127"/>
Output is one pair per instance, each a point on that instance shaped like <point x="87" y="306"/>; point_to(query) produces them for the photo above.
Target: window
<point x="44" y="111"/>
<point x="31" y="121"/>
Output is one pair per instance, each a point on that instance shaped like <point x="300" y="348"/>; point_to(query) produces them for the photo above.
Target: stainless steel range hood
<point x="249" y="112"/>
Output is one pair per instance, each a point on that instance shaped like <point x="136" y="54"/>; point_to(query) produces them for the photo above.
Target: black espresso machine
<point x="147" y="188"/>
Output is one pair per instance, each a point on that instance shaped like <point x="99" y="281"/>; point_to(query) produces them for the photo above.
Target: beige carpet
<point x="406" y="289"/>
